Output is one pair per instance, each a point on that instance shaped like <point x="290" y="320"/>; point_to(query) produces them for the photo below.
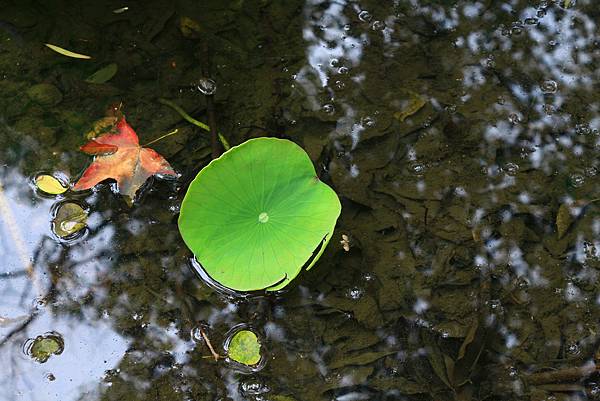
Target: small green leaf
<point x="43" y="347"/>
<point x="244" y="348"/>
<point x="103" y="75"/>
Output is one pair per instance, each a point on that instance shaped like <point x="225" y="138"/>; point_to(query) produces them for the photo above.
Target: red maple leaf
<point x="119" y="156"/>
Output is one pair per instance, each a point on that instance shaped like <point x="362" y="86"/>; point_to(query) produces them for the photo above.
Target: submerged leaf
<point x="564" y="219"/>
<point x="50" y="185"/>
<point x="70" y="218"/>
<point x="119" y="156"/>
<point x="244" y="348"/>
<point x="103" y="75"/>
<point x="66" y="52"/>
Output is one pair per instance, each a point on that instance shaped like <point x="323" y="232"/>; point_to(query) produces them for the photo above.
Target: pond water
<point x="462" y="139"/>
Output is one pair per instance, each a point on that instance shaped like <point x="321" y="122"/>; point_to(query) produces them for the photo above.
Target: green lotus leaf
<point x="244" y="348"/>
<point x="256" y="215"/>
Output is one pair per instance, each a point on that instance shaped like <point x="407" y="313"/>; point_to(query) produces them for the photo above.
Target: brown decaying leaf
<point x="119" y="156"/>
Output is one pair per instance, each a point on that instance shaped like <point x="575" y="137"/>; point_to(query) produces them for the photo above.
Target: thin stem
<point x="210" y="347"/>
<point x="161" y="137"/>
<point x="192" y="120"/>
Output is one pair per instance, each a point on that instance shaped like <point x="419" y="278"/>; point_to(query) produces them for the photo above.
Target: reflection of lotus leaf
<point x="254" y="216"/>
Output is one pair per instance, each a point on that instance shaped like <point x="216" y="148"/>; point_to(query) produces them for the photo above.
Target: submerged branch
<point x="192" y="120"/>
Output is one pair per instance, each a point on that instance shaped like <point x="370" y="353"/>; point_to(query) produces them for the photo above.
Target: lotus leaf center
<point x="263" y="217"/>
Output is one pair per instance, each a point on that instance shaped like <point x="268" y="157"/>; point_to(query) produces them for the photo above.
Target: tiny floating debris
<point x="66" y="52"/>
<point x="345" y="242"/>
<point x="43" y="347"/>
<point x="50" y="185"/>
<point x="120" y="10"/>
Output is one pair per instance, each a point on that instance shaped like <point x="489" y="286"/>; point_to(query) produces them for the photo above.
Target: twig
<point x="210" y="105"/>
<point x="209" y="345"/>
<point x="192" y="120"/>
<point x="161" y="137"/>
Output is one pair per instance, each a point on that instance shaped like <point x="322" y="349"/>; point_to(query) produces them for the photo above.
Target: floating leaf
<point x="69" y="219"/>
<point x="564" y="219"/>
<point x="255" y="216"/>
<point x="66" y="52"/>
<point x="119" y="156"/>
<point x="50" y="185"/>
<point x="103" y="75"/>
<point x="244" y="348"/>
<point x="43" y="347"/>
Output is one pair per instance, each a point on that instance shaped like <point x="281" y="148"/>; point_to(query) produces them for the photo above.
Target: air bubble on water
<point x="531" y="21"/>
<point x="355" y="293"/>
<point x="328" y="108"/>
<point x="368" y="122"/>
<point x="514" y="118"/>
<point x="417" y="168"/>
<point x="590" y="171"/>
<point x="516" y="29"/>
<point x="378" y="26"/>
<point x="549" y="86"/>
<point x="573" y="349"/>
<point x="196" y="335"/>
<point x="340" y="85"/>
<point x="207" y="86"/>
<point x="577" y="180"/>
<point x="365" y="16"/>
<point x="347" y="27"/>
<point x="548" y="109"/>
<point x="50" y="377"/>
<point x="334" y="62"/>
<point x="343" y="70"/>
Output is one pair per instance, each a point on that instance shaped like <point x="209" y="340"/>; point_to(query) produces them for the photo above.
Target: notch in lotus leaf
<point x="256" y="215"/>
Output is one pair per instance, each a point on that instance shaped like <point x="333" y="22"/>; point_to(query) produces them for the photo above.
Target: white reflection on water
<point x="28" y="310"/>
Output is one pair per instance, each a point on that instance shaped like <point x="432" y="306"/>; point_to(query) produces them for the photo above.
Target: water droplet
<point x="355" y="293"/>
<point x="196" y="335"/>
<point x="328" y="108"/>
<point x="417" y="168"/>
<point x="368" y="122"/>
<point x="378" y="26"/>
<point x="207" y="86"/>
<point x="516" y="29"/>
<point x="573" y="349"/>
<point x="365" y="16"/>
<point x="577" y="180"/>
<point x="340" y="85"/>
<point x="511" y="168"/>
<point x="514" y="118"/>
<point x="548" y="109"/>
<point x="549" y="86"/>
<point x="531" y="21"/>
